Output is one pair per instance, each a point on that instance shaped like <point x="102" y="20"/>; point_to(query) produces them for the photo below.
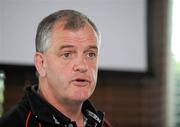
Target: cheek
<point x="58" y="66"/>
<point x="93" y="73"/>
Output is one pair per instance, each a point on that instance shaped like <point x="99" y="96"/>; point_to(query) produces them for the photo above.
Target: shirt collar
<point x="41" y="109"/>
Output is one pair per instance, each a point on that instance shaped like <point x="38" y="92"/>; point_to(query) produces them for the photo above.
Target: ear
<point x="39" y="64"/>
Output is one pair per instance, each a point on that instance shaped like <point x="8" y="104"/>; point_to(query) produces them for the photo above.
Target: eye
<point x="91" y="55"/>
<point x="67" y="55"/>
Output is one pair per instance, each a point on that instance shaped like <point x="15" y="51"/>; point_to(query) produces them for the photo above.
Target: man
<point x="66" y="58"/>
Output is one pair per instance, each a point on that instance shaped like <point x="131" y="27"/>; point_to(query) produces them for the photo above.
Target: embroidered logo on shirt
<point x="55" y="120"/>
<point x="94" y="116"/>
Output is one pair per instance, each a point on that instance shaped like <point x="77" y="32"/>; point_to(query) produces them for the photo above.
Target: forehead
<point x="85" y="32"/>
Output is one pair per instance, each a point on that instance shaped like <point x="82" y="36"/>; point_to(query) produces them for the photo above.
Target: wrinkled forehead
<point x="60" y="27"/>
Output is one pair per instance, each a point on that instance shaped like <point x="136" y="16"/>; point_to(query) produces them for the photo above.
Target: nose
<point x="80" y="65"/>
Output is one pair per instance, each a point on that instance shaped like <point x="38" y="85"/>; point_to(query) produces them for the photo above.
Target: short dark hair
<point x="73" y="20"/>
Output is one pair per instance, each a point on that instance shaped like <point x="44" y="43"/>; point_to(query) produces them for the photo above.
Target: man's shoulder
<point x="17" y="113"/>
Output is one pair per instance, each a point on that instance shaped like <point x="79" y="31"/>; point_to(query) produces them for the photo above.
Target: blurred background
<point x="139" y="75"/>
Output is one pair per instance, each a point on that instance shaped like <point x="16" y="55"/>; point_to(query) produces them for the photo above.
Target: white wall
<point x="121" y="22"/>
<point x="0" y="30"/>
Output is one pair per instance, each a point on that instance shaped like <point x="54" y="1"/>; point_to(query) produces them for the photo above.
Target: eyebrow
<point x="92" y="47"/>
<point x="65" y="46"/>
<point x="71" y="46"/>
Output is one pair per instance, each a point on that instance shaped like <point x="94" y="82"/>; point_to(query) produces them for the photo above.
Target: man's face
<point x="71" y="63"/>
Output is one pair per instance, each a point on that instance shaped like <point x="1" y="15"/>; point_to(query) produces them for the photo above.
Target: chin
<point x="81" y="96"/>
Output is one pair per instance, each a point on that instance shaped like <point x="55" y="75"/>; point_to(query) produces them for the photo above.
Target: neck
<point x="71" y="110"/>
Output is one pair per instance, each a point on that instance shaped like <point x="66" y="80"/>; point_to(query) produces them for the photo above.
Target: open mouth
<point x="80" y="82"/>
